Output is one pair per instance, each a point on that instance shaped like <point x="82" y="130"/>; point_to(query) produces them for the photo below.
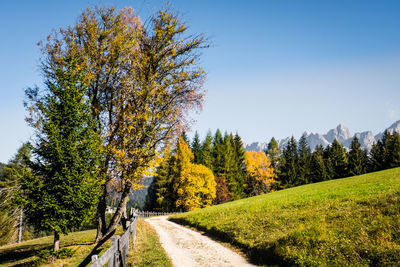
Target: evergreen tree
<point x="273" y="152"/>
<point x="375" y="159"/>
<point x="386" y="149"/>
<point x="206" y="151"/>
<point x="240" y="166"/>
<point x="318" y="170"/>
<point x="304" y="161"/>
<point x="338" y="158"/>
<point x="63" y="192"/>
<point x="391" y="152"/>
<point x="357" y="159"/>
<point x="330" y="171"/>
<point x="185" y="138"/>
<point x="385" y="153"/>
<point x="217" y="153"/>
<point x="395" y="157"/>
<point x="196" y="149"/>
<point x="161" y="196"/>
<point x="288" y="173"/>
<point x="230" y="166"/>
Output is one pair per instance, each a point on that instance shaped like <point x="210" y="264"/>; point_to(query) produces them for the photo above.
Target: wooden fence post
<point x="94" y="258"/>
<point x="114" y="261"/>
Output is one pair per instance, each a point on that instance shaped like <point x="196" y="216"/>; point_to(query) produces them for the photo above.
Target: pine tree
<point x="385" y="153"/>
<point x="338" y="158"/>
<point x="62" y="192"/>
<point x="330" y="171"/>
<point x="375" y="159"/>
<point x="357" y="159"/>
<point x="206" y="150"/>
<point x="196" y="149"/>
<point x="185" y="138"/>
<point x="288" y="173"/>
<point x="304" y="161"/>
<point x="318" y="170"/>
<point x="395" y="155"/>
<point x="217" y="153"/>
<point x="240" y="166"/>
<point x="161" y="196"/>
<point x="230" y="166"/>
<point x="273" y="152"/>
<point x="391" y="151"/>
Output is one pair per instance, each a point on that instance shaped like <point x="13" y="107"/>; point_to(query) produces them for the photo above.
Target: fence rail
<point x="116" y="255"/>
<point x="146" y="214"/>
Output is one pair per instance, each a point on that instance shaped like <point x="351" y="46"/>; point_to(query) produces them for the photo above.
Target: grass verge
<point x="346" y="222"/>
<point x="28" y="253"/>
<point x="147" y="250"/>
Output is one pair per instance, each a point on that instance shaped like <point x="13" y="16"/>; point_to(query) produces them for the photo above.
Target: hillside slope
<point x="351" y="221"/>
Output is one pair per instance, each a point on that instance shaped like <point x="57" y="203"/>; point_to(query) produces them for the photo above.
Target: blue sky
<point x="275" y="68"/>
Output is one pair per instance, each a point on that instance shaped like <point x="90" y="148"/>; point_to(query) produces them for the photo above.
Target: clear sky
<point x="275" y="68"/>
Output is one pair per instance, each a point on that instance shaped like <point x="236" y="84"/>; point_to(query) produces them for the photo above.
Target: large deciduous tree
<point x="143" y="81"/>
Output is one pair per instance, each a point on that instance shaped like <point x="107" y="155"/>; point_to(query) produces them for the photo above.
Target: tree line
<point x="235" y="173"/>
<point x="296" y="164"/>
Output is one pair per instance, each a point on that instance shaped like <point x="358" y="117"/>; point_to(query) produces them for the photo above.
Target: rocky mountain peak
<point x="340" y="132"/>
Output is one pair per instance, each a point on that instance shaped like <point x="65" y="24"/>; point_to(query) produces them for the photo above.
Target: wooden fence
<point x="146" y="214"/>
<point x="116" y="255"/>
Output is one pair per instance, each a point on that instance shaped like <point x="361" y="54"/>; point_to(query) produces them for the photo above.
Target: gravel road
<point x="188" y="248"/>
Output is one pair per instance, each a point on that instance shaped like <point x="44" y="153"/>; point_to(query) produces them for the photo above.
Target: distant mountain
<point x="341" y="133"/>
<point x="256" y="146"/>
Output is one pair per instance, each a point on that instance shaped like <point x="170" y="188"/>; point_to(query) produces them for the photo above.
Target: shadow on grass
<point x="96" y="250"/>
<point x="257" y="255"/>
<point x="21" y="253"/>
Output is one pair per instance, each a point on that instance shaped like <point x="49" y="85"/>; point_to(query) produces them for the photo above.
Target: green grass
<point x="147" y="250"/>
<point x="346" y="222"/>
<point x="26" y="253"/>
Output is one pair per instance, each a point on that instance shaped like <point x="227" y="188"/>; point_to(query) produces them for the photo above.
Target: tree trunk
<point x="20" y="226"/>
<point x="101" y="216"/>
<point x="120" y="210"/>
<point x="56" y="244"/>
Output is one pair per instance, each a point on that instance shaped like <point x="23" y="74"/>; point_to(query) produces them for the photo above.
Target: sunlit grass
<point x="352" y="221"/>
<point x="147" y="249"/>
<point x="25" y="254"/>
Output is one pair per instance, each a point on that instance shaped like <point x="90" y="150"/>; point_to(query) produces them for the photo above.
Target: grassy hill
<point x="351" y="221"/>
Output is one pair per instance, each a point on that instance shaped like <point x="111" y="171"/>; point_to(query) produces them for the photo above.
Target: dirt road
<point x="187" y="248"/>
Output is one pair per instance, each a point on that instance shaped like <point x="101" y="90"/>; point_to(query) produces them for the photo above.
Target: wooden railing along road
<point x="116" y="255"/>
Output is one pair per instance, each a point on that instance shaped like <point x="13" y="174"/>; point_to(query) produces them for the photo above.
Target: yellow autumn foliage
<point x="260" y="174"/>
<point x="194" y="184"/>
